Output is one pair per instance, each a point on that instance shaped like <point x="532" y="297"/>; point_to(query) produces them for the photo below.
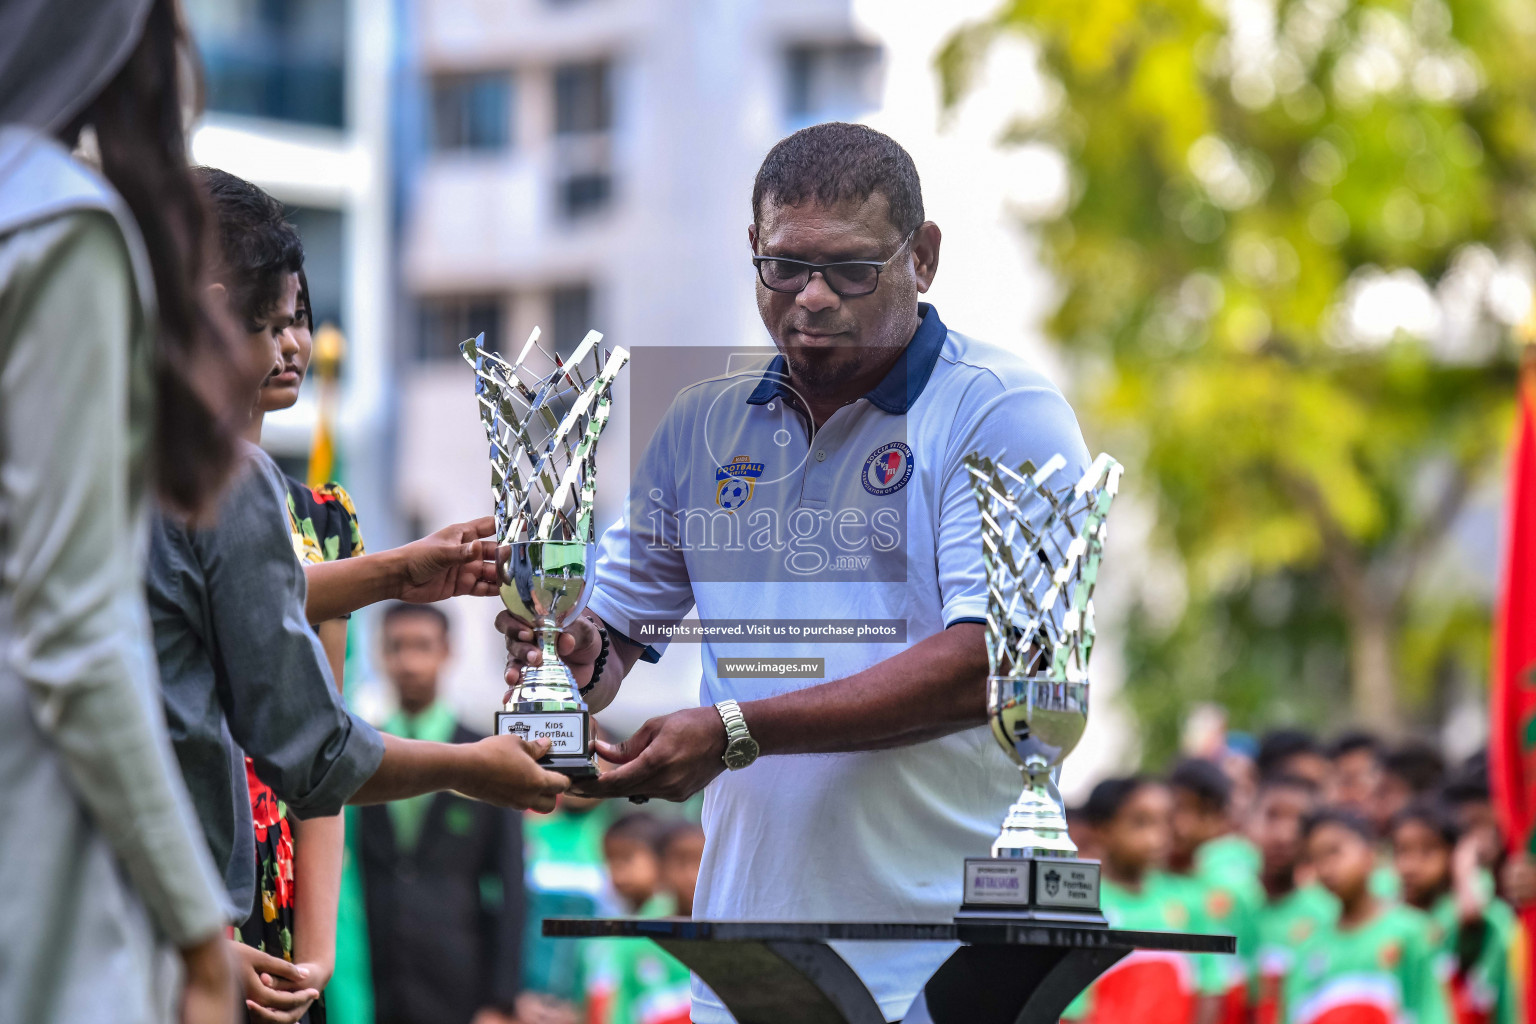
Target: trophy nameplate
<point x="1059" y="889"/>
<point x="568" y="732"/>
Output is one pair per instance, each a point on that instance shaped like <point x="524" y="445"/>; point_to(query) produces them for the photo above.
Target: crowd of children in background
<point x="1362" y="881"/>
<point x="455" y="893"/>
<point x="583" y="860"/>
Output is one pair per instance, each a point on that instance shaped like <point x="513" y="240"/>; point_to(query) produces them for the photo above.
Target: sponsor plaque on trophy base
<point x="1055" y="889"/>
<point x="566" y="732"/>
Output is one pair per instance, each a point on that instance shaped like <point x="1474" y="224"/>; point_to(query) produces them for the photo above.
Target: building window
<point x="279" y="59"/>
<point x="472" y="112"/>
<point x="581" y="194"/>
<point x="582" y="102"/>
<point x="572" y="314"/>
<point x="832" y="82"/>
<point x="583" y="151"/>
<point x="448" y="320"/>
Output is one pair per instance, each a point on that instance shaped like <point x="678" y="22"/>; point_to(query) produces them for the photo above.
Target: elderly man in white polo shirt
<point x="854" y="796"/>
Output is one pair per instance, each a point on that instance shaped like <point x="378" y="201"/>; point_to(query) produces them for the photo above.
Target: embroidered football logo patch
<point x="735" y="481"/>
<point x="888" y="468"/>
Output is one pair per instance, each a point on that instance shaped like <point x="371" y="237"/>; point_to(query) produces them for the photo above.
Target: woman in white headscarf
<point x="113" y="379"/>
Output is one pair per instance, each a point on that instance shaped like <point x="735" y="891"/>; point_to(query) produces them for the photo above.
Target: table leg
<point x="1013" y="984"/>
<point x="775" y="982"/>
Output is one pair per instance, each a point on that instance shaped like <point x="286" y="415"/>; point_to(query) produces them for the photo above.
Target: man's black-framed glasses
<point x="848" y="279"/>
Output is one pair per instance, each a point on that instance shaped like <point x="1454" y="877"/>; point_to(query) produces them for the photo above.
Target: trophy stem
<point x="1037" y="823"/>
<point x="549" y="685"/>
<point x="547" y="633"/>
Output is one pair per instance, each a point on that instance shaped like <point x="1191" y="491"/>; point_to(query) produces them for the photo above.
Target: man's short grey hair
<point x="837" y="162"/>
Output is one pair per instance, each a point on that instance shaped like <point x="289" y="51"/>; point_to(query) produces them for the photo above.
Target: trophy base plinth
<point x="569" y="734"/>
<point x="570" y="766"/>
<point x="1056" y="890"/>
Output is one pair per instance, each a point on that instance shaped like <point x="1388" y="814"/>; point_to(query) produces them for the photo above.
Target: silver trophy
<point x="543" y="426"/>
<point x="1042" y="541"/>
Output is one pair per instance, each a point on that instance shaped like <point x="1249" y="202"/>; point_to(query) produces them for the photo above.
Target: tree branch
<point x="1340" y="555"/>
<point x="1426" y="537"/>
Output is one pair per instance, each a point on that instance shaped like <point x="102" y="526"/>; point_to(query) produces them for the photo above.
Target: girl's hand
<point x="318" y="976"/>
<point x="262" y="976"/>
<point x="1466" y="880"/>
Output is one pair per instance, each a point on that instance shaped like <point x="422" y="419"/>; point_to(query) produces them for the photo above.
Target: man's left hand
<point x="454" y="561"/>
<point x="670" y="758"/>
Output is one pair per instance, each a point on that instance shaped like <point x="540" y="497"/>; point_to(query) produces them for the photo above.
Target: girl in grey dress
<point x="103" y="868"/>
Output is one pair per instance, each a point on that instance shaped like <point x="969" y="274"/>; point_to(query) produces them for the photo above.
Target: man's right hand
<point x="578" y="644"/>
<point x="505" y="772"/>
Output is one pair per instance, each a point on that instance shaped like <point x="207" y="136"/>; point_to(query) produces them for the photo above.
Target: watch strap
<point x="735" y="722"/>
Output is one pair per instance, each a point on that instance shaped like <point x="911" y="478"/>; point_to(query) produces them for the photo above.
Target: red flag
<point x="1512" y="745"/>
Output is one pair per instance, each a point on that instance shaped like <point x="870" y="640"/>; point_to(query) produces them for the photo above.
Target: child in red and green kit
<point x="1441" y="876"/>
<point x="655" y="869"/>
<point x="1291" y="914"/>
<point x="1216" y="865"/>
<point x="1131" y="819"/>
<point x="1378" y="964"/>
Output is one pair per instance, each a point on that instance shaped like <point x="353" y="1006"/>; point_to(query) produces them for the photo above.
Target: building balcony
<point x="479" y="221"/>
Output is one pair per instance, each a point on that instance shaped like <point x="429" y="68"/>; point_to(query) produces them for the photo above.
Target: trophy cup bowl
<point x="546" y="583"/>
<point x="1038" y="722"/>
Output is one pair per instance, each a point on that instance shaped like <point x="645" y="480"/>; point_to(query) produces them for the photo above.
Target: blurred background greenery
<point x="1291" y="265"/>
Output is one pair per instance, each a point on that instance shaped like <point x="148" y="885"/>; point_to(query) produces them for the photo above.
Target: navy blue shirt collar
<point x="900" y="387"/>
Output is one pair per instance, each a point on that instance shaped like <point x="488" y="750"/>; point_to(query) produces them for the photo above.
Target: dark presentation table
<point x="1005" y="972"/>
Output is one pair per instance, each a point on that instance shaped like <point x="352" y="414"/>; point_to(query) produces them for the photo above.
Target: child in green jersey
<point x="1291" y="913"/>
<point x="563" y="861"/>
<point x="1130" y="818"/>
<point x="1440" y="875"/>
<point x="633" y="981"/>
<point x="1378" y="965"/>
<point x="1356" y="777"/>
<point x="1216" y="866"/>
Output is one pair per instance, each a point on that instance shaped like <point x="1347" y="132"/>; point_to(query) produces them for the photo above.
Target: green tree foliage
<point x="1246" y="177"/>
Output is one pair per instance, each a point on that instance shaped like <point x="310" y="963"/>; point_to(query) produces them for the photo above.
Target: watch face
<point x="741" y="752"/>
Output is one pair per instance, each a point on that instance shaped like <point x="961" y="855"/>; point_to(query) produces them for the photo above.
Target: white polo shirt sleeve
<point x="1034" y="423"/>
<point x="639" y="575"/>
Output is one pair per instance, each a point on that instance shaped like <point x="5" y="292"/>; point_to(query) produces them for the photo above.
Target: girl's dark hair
<point x="201" y="373"/>
<point x="1210" y="785"/>
<point x="1109" y="796"/>
<point x="258" y="249"/>
<point x="1433" y="816"/>
<point x="1338" y="816"/>
<point x="306" y="311"/>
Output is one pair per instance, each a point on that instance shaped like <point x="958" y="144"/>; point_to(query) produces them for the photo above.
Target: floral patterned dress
<point x="324" y="526"/>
